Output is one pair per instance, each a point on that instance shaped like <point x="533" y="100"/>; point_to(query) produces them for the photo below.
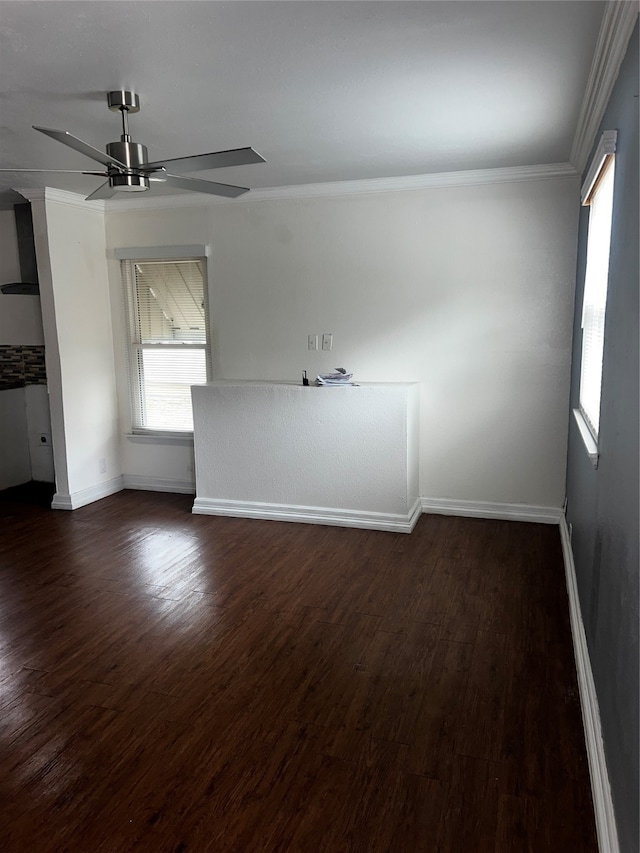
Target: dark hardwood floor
<point x="171" y="682"/>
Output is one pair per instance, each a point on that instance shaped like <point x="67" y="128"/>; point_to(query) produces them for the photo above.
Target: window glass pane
<point x="168" y="374"/>
<point x="170" y="301"/>
<point x="595" y="296"/>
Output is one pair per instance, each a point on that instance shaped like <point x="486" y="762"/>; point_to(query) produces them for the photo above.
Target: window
<point x="597" y="193"/>
<point x="166" y="300"/>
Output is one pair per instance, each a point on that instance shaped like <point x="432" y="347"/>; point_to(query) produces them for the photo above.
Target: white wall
<point x="468" y="290"/>
<point x="322" y="455"/>
<point x="36" y="399"/>
<point x="70" y="246"/>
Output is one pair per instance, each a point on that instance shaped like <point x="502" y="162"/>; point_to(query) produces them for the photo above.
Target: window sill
<point x="160" y="437"/>
<point x="587" y="438"/>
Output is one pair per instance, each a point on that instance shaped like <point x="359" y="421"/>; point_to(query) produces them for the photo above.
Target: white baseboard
<point x="157" y="484"/>
<point x="487" y="509"/>
<point x="389" y="522"/>
<point x="600" y="787"/>
<point x="74" y="500"/>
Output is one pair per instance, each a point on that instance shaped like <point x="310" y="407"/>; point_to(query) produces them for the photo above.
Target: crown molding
<point x="617" y="26"/>
<point x="405" y="183"/>
<point x="61" y="197"/>
<point x="509" y="174"/>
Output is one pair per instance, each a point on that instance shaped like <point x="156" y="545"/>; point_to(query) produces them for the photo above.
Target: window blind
<point x="168" y="342"/>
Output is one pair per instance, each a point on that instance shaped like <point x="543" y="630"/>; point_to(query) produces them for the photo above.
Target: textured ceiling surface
<point x="325" y="91"/>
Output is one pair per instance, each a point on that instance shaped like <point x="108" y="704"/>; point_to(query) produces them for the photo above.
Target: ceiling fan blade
<point x="60" y="172"/>
<point x="199" y="186"/>
<point x="103" y="191"/>
<point x="78" y="145"/>
<point x="215" y="160"/>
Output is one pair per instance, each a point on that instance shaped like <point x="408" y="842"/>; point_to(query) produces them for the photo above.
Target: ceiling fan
<point x="127" y="167"/>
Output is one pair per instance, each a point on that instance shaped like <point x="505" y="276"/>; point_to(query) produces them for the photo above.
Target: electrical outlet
<point x="327" y="342"/>
<point x="312" y="342"/>
<point x="102" y="465"/>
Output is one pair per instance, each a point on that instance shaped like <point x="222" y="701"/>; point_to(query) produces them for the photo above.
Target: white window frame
<point x="603" y="159"/>
<point x="160" y="253"/>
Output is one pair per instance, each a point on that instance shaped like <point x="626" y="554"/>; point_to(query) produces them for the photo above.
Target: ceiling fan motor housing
<point x="134" y="155"/>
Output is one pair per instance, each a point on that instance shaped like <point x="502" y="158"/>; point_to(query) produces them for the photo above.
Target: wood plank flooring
<point x="181" y="683"/>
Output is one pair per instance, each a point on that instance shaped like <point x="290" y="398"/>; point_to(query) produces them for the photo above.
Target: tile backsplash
<point x="20" y="366"/>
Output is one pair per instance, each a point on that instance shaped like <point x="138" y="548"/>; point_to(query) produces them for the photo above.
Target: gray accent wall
<point x="603" y="504"/>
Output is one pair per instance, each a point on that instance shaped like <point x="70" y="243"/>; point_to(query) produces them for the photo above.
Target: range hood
<point x="28" y="285"/>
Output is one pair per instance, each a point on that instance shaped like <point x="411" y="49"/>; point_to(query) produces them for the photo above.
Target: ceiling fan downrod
<point x="132" y="154"/>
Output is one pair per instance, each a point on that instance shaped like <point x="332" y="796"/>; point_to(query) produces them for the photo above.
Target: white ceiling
<point x="325" y="91"/>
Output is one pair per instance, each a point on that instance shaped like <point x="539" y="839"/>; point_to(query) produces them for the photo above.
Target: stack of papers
<point x="340" y="377"/>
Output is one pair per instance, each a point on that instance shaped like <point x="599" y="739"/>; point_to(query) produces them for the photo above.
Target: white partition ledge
<point x="339" y="456"/>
